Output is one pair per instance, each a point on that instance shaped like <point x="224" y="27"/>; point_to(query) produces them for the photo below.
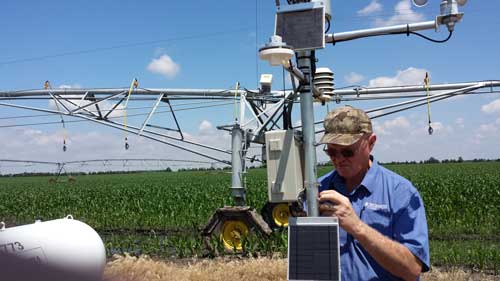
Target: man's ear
<point x="371" y="141"/>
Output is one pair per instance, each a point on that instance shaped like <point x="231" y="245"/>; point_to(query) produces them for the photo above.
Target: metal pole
<point x="237" y="161"/>
<point x="350" y="35"/>
<point x="304" y="62"/>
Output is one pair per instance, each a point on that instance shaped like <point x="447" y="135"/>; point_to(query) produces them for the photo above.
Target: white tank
<point x="66" y="245"/>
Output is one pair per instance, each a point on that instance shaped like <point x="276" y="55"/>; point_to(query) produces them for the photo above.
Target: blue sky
<point x="213" y="44"/>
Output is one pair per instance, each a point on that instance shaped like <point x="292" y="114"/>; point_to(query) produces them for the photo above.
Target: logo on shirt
<point x="376" y="207"/>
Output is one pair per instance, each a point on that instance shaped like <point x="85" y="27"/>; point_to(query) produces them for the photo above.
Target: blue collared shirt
<point x="388" y="203"/>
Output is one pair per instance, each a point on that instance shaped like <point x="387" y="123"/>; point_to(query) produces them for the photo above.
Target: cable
<point x="427" y="81"/>
<point x="56" y="101"/>
<point x="114" y="117"/>
<point x="133" y="85"/>
<point x="433" y="40"/>
<point x="129" y="45"/>
<point x="117" y="109"/>
<point x="257" y="43"/>
<point x="407" y="32"/>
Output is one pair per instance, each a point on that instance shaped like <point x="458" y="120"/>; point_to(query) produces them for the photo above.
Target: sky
<point x="213" y="45"/>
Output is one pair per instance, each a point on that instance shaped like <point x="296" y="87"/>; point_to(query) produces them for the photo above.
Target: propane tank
<point x="63" y="245"/>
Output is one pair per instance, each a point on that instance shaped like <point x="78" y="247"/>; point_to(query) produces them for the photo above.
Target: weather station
<point x="288" y="149"/>
<point x="313" y="252"/>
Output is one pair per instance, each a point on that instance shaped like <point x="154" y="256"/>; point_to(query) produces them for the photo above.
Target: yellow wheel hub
<point x="232" y="234"/>
<point x="281" y="213"/>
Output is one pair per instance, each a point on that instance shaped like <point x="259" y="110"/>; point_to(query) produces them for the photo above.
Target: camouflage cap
<point x="345" y="126"/>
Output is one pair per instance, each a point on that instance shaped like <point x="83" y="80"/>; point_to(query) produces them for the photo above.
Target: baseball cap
<point x="345" y="126"/>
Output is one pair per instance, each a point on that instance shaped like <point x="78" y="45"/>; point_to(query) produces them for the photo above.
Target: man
<point x="383" y="228"/>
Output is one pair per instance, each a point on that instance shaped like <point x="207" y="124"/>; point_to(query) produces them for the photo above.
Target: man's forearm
<point x="391" y="255"/>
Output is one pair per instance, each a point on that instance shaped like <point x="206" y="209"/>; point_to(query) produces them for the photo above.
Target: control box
<point x="285" y="176"/>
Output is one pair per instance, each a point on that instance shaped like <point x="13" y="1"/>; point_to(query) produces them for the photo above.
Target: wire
<point x="129" y="45"/>
<point x="56" y="101"/>
<point x="350" y="86"/>
<point x="433" y="40"/>
<point x="408" y="32"/>
<point x="117" y="109"/>
<point x="426" y="83"/>
<point x="257" y="42"/>
<point x="133" y="85"/>
<point x="114" y="117"/>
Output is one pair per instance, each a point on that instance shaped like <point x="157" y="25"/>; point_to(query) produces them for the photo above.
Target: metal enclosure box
<point x="285" y="179"/>
<point x="313" y="248"/>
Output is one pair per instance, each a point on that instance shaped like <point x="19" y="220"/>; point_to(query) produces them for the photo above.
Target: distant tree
<point x="460" y="159"/>
<point x="432" y="160"/>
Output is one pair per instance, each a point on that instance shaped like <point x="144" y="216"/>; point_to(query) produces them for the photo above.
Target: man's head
<point x="349" y="140"/>
<point x="345" y="126"/>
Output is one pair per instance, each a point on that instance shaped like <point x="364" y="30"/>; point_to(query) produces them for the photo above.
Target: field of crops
<point x="161" y="213"/>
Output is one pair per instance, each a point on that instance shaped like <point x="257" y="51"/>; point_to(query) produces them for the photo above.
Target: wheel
<point x="276" y="215"/>
<point x="232" y="233"/>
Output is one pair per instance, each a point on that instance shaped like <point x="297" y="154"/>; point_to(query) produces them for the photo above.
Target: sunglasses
<point x="346" y="152"/>
<point x="334" y="153"/>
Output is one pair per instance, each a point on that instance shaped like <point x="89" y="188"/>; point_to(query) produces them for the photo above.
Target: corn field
<point x="162" y="213"/>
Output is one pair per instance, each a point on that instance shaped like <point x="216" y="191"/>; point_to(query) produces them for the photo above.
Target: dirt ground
<point x="126" y="268"/>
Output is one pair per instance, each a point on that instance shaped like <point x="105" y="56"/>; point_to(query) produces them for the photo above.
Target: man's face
<point x="350" y="160"/>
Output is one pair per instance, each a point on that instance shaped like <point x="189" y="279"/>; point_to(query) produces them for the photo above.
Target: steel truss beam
<point x="257" y="102"/>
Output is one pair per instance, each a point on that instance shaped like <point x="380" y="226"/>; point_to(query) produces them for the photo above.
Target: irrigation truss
<point x="94" y="165"/>
<point x="268" y="109"/>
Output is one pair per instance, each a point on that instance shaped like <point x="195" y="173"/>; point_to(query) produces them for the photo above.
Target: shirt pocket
<point x="379" y="219"/>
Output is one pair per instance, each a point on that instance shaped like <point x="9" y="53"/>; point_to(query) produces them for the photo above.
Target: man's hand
<point x="391" y="255"/>
<point x="333" y="203"/>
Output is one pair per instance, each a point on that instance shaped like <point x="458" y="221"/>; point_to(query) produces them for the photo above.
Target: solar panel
<point x="313" y="248"/>
<point x="302" y="25"/>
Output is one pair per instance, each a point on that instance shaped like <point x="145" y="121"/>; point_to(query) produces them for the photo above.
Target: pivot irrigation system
<point x="60" y="168"/>
<point x="288" y="151"/>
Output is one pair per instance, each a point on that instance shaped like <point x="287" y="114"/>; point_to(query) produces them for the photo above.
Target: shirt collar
<point x="370" y="179"/>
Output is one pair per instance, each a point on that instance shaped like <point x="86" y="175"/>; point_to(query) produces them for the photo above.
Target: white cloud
<point x="353" y="78"/>
<point x="492" y="107"/>
<point x="438" y="126"/>
<point x="206" y="128"/>
<point x="397" y="125"/>
<point x="409" y="76"/>
<point x="487" y="128"/>
<point x="165" y="66"/>
<point x="460" y="122"/>
<point x="403" y="13"/>
<point x="487" y="131"/>
<point x="373" y="7"/>
<point x="74" y="86"/>
<point x="398" y="122"/>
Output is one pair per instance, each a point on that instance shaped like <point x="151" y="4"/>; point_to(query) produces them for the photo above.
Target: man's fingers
<point x="330" y="195"/>
<point x="327" y="213"/>
<point x="327" y="206"/>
